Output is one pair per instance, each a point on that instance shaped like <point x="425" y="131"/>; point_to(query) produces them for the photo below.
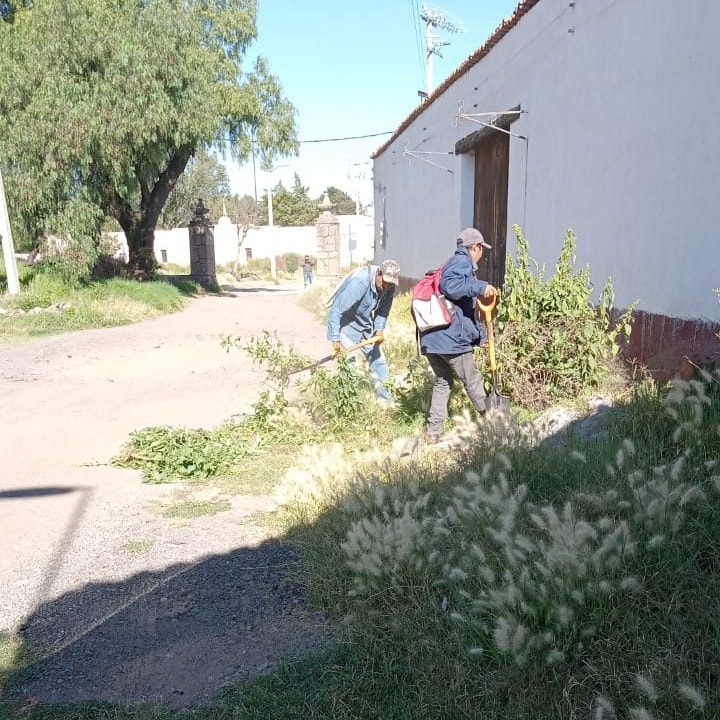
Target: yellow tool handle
<point x="368" y="341"/>
<point x="486" y="311"/>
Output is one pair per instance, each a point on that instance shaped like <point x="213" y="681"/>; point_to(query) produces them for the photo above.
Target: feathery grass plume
<point x="475" y="651"/>
<point x="555" y="657"/>
<point x="677" y="468"/>
<point x="640" y="713"/>
<point x="604" y="709"/>
<point x="620" y="458"/>
<point x="715" y="480"/>
<point x="656" y="541"/>
<point x="518" y="639"/>
<point x="579" y="456"/>
<point x="631" y="584"/>
<point x="503" y="635"/>
<point x="646" y="687"/>
<point x="692" y="696"/>
<point x="629" y="446"/>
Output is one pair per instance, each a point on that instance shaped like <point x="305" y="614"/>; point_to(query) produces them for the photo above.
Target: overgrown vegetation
<point x="527" y="582"/>
<point x="50" y="303"/>
<point x="322" y="406"/>
<point x="553" y="341"/>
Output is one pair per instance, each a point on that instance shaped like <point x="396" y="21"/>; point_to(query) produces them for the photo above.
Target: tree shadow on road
<point x="175" y="637"/>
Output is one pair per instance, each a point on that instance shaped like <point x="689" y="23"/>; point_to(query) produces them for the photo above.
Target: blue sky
<point x="354" y="68"/>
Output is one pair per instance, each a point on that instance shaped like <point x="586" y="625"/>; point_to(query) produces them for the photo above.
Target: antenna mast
<point x="435" y="18"/>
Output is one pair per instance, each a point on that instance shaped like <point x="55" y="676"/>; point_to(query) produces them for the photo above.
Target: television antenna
<point x="435" y="19"/>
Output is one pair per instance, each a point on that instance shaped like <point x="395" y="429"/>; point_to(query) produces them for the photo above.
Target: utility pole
<point x="7" y="244"/>
<point x="270" y="208"/>
<point x="358" y="177"/>
<point x="252" y="145"/>
<point x="435" y="18"/>
<point x="273" y="260"/>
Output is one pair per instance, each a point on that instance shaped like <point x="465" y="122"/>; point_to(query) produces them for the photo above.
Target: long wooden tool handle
<point x="486" y="311"/>
<point x="368" y="341"/>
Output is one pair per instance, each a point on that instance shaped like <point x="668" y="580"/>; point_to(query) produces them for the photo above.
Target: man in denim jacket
<point x="449" y="350"/>
<point x="359" y="310"/>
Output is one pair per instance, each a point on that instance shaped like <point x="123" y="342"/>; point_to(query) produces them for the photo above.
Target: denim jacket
<point x="458" y="284"/>
<point x="358" y="306"/>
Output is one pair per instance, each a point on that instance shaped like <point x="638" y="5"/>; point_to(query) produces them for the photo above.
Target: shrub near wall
<point x="292" y="262"/>
<point x="553" y="341"/>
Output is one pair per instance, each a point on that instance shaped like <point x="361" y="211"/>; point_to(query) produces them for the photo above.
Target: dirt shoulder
<point x="78" y="533"/>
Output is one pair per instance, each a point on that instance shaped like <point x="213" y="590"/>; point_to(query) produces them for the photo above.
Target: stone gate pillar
<point x="202" y="248"/>
<point x="327" y="229"/>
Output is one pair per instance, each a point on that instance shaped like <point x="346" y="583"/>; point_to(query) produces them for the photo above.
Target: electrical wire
<point x="417" y="27"/>
<point x="349" y="137"/>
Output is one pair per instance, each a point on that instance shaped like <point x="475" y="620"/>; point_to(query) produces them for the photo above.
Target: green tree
<point x="205" y="177"/>
<point x="293" y="207"/>
<point x="344" y="204"/>
<point x="105" y="102"/>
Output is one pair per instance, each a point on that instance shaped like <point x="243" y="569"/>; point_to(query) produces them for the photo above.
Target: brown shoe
<point x="433" y="438"/>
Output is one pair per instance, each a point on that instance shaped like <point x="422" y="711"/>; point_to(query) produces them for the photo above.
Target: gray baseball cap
<point x="390" y="271"/>
<point x="470" y="236"/>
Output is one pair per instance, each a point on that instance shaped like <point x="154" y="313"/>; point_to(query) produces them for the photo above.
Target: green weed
<point x="188" y="509"/>
<point x="137" y="547"/>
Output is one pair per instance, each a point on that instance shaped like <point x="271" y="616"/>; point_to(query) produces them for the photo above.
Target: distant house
<point x="173" y="246"/>
<point x="600" y="115"/>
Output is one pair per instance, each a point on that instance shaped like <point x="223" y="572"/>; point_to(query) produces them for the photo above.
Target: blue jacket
<point x="358" y="306"/>
<point x="459" y="284"/>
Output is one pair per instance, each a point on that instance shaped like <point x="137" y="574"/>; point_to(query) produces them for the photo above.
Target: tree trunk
<point x="139" y="225"/>
<point x="140" y="238"/>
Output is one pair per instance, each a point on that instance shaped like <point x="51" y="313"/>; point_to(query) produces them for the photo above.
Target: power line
<point x="350" y="137"/>
<point x="417" y="27"/>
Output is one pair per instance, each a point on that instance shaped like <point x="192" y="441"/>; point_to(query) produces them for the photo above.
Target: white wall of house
<point x="173" y="246"/>
<point x="622" y="145"/>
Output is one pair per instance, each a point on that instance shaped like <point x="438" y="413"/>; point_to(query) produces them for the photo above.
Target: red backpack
<point x="430" y="308"/>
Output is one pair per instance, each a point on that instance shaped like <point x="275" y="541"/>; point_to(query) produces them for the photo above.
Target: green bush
<point x="553" y="341"/>
<point x="261" y="266"/>
<point x="73" y="238"/>
<point x="292" y="262"/>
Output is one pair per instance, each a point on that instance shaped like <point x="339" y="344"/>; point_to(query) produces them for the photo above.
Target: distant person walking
<point x="307" y="271"/>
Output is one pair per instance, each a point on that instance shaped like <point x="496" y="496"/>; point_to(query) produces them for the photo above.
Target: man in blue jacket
<point x="449" y="350"/>
<point x="359" y="310"/>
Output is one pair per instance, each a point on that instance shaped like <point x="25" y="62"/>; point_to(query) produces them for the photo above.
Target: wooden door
<point x="492" y="160"/>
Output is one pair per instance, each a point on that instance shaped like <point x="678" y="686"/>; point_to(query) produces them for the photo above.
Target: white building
<point x="173" y="246"/>
<point x="614" y="134"/>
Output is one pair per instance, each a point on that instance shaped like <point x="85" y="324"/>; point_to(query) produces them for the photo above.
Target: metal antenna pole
<point x="435" y="18"/>
<point x="429" y="44"/>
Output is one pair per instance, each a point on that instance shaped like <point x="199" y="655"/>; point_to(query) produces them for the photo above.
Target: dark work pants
<point x="445" y="368"/>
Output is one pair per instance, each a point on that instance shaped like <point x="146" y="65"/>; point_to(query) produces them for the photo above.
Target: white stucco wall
<point x="622" y="104"/>
<point x="356" y="241"/>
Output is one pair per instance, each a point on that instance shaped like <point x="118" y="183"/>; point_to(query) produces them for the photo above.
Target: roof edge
<point x="498" y="34"/>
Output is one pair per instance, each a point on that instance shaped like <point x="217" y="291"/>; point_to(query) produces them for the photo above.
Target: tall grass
<point x="517" y="581"/>
<point x="104" y="303"/>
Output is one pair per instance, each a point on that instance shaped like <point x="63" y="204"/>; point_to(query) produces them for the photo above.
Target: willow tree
<point x="104" y="102"/>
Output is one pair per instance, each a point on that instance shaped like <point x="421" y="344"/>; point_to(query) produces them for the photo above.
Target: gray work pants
<point x="445" y="368"/>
